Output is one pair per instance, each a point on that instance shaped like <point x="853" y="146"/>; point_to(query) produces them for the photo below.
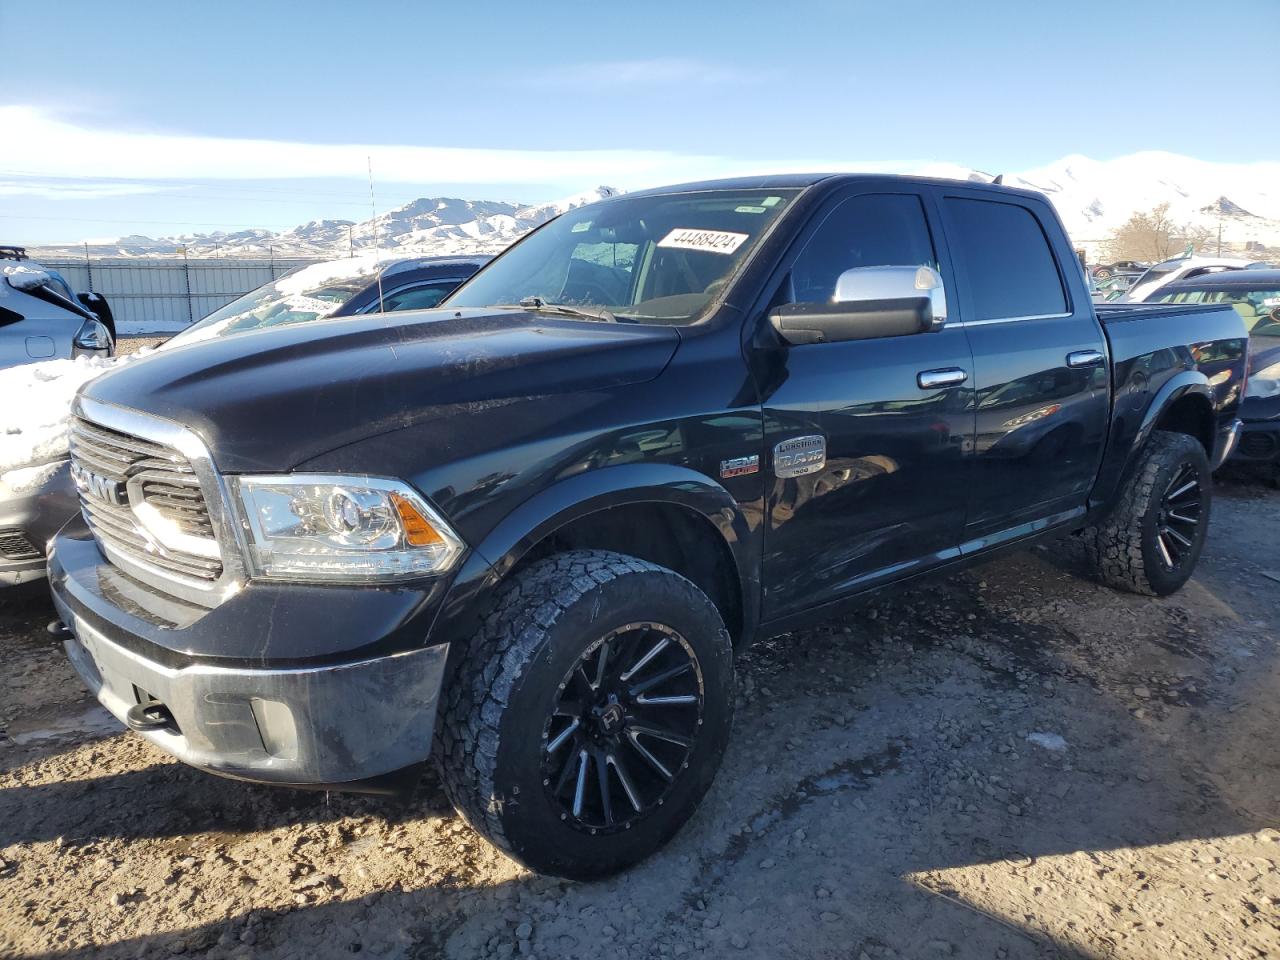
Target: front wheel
<point x="1153" y="537"/>
<point x="588" y="717"/>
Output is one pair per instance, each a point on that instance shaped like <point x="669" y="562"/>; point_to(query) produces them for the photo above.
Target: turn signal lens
<point x="418" y="531"/>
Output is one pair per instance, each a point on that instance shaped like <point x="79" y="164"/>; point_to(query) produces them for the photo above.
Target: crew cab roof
<point x="794" y="181"/>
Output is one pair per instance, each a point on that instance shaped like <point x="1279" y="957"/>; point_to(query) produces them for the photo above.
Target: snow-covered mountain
<point x="1092" y="196"/>
<point x="427" y="226"/>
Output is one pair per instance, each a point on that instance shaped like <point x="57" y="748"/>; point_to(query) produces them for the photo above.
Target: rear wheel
<point x="1152" y="539"/>
<point x="588" y="717"/>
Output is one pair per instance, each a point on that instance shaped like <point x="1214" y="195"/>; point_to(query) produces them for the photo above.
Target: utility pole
<point x="351" y="245"/>
<point x="88" y="266"/>
<point x="186" y="274"/>
<point x="1219" y="234"/>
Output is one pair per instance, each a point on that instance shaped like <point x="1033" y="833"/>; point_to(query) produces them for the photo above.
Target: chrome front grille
<point x="144" y="503"/>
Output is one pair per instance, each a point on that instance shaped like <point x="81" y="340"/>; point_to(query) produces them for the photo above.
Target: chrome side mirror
<point x="895" y="283"/>
<point x="869" y="303"/>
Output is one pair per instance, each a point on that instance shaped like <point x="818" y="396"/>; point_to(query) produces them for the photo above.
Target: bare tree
<point x="1152" y="235"/>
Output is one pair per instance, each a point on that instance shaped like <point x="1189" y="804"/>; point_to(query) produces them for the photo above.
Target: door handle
<point x="1085" y="358"/>
<point x="947" y="377"/>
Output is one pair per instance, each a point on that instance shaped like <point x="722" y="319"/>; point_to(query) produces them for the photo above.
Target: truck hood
<point x="271" y="399"/>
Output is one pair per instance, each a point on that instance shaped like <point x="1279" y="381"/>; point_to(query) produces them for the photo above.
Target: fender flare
<point x="1186" y="383"/>
<point x="575" y="497"/>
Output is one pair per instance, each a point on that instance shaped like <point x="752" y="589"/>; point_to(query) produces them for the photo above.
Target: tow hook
<point x="150" y="716"/>
<point x="56" y="628"/>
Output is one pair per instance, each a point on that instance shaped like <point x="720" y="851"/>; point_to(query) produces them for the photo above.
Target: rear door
<point x="32" y="329"/>
<point x="866" y="459"/>
<point x="1041" y="394"/>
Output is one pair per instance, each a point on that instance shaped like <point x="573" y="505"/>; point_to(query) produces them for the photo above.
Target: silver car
<point x="41" y="318"/>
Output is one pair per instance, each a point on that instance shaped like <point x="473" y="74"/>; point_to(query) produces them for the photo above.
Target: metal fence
<point x="166" y="294"/>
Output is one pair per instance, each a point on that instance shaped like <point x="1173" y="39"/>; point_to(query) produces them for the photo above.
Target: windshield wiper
<point x="590" y="313"/>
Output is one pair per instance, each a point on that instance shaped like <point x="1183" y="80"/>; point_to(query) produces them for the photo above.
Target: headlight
<point x="326" y="527"/>
<point x="1264" y="382"/>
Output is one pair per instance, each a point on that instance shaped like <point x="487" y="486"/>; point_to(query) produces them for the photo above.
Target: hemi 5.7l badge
<point x="800" y="456"/>
<point x="739" y="466"/>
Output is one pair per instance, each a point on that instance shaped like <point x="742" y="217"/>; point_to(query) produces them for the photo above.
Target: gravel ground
<point x="128" y="344"/>
<point x="1011" y="763"/>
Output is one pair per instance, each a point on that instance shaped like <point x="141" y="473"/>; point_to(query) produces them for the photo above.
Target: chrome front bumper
<point x="332" y="725"/>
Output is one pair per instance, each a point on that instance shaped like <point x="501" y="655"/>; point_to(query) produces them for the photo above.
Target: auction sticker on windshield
<point x="712" y="241"/>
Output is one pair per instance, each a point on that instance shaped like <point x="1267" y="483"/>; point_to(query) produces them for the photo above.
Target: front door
<point x="866" y="441"/>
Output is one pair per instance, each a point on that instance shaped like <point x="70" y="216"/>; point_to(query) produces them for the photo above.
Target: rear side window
<point x="1004" y="256"/>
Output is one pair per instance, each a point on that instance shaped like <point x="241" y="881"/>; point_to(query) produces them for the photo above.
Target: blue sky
<point x="160" y="118"/>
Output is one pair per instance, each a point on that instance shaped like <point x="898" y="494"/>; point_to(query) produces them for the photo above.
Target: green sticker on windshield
<point x="770" y="201"/>
<point x="582" y="227"/>
<point x="746" y="209"/>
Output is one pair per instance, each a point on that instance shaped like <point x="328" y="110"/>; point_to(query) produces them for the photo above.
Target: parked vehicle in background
<point x="42" y="498"/>
<point x="1179" y="268"/>
<point x="1112" y="288"/>
<point x="1255" y="295"/>
<point x="42" y="318"/>
<point x="370" y="283"/>
<point x="552" y="510"/>
<point x="1104" y="270"/>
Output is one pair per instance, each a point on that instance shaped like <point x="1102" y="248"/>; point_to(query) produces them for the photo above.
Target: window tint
<point x="418" y="298"/>
<point x="1005" y="258"/>
<point x="870" y="231"/>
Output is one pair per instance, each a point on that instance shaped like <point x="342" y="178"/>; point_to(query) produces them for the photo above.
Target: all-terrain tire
<point x="1125" y="550"/>
<point x="501" y="694"/>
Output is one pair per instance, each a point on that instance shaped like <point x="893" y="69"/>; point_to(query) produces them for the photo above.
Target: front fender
<point x="575" y="497"/>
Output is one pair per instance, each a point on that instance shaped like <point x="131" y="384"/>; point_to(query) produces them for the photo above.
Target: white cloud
<point x="42" y="148"/>
<point x="46" y="189"/>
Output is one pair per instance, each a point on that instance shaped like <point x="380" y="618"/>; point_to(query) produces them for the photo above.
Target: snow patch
<point x="24" y="480"/>
<point x="23" y="277"/>
<point x="1050" y="741"/>
<point x="36" y="406"/>
<point x="331" y="271"/>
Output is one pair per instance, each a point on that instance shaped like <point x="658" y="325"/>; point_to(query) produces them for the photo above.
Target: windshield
<point x="307" y="293"/>
<point x="658" y="259"/>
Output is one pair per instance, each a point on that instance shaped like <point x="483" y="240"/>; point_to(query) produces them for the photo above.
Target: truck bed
<point x="1121" y="312"/>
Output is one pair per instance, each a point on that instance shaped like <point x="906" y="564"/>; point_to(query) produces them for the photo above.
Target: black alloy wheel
<point x="1179" y="516"/>
<point x="1152" y="539"/>
<point x="585" y="720"/>
<point x="622" y="727"/>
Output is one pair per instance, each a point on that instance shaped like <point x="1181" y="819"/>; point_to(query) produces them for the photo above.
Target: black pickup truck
<point x="534" y="525"/>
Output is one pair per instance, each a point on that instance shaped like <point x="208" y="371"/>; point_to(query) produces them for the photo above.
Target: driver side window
<point x="868" y="231"/>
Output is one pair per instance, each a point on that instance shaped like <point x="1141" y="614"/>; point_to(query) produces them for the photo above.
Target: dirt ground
<point x="1011" y="763"/>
